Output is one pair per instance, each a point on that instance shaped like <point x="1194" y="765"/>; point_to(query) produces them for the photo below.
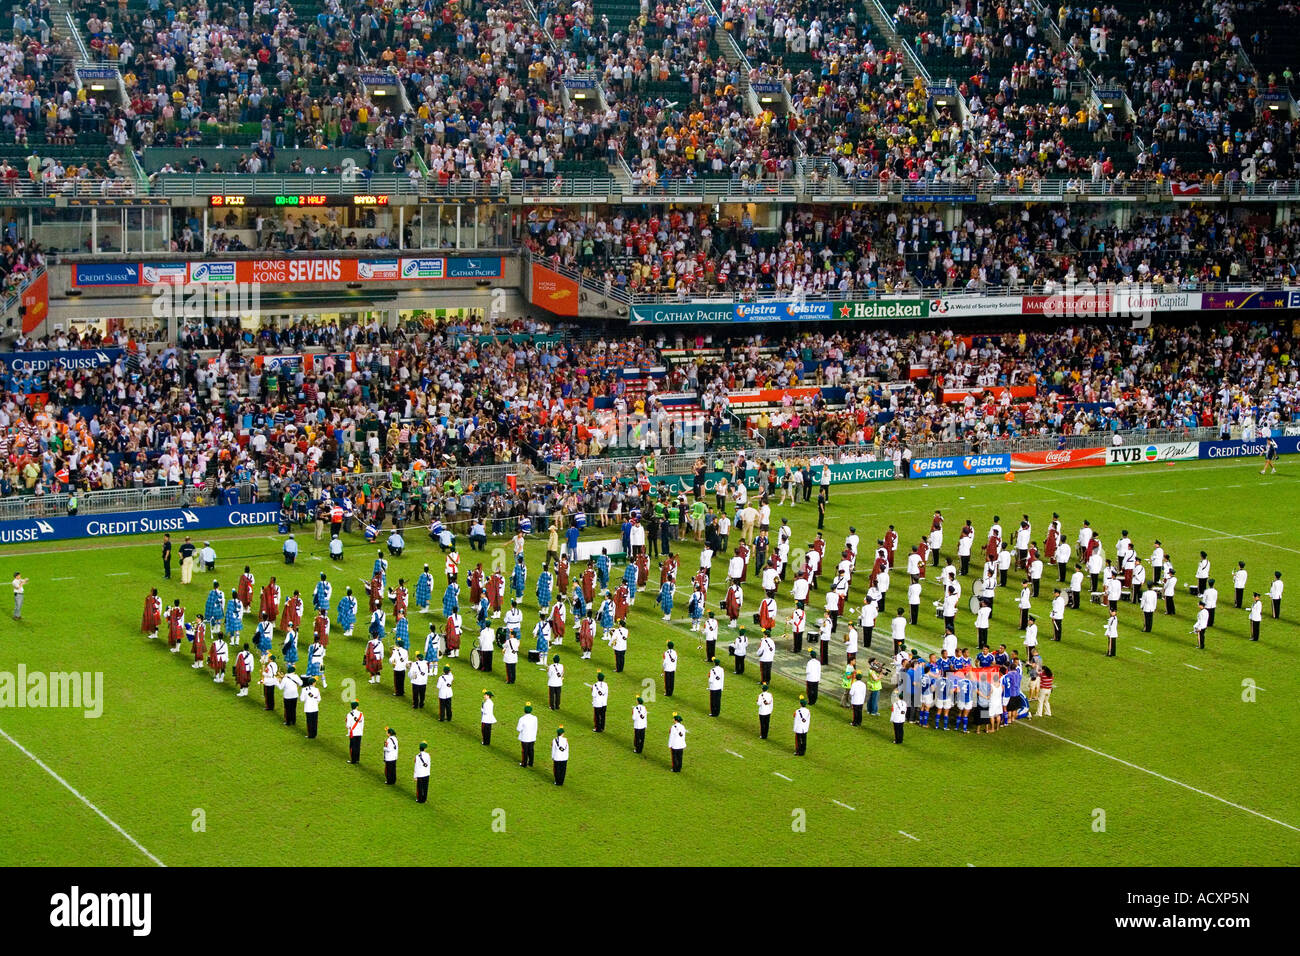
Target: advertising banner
<point x="56" y="528"/>
<point x="43" y="361"/>
<point x="1278" y="299"/>
<point x="106" y="273"/>
<point x="880" y="309"/>
<point x="1286" y="445"/>
<point x="665" y="314"/>
<point x="553" y="291"/>
<point x="998" y="464"/>
<point x="976" y="305"/>
<point x="36" y="302"/>
<point x="993" y="391"/>
<point x="1066" y="458"/>
<point x="1067" y="304"/>
<point x="371" y="269"/>
<point x="286" y="271"/>
<point x="1165" y="451"/>
<point x="840" y="474"/>
<point x="153" y="273"/>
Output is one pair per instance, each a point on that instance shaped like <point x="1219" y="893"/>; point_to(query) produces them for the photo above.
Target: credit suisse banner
<point x="43" y="361"/>
<point x="287" y="271"/>
<point x="1065" y="458"/>
<point x="39" y="530"/>
<point x="1164" y="451"/>
<point x="998" y="464"/>
<point x="1286" y="445"/>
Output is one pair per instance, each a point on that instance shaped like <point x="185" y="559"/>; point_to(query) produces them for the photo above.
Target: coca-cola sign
<point x="1061" y="458"/>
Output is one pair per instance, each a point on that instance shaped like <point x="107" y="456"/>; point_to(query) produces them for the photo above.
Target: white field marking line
<point x="909" y="836"/>
<point x="1089" y="633"/>
<point x="844" y="805"/>
<point x="1189" y="524"/>
<point x="1160" y="776"/>
<point x="76" y="793"/>
<point x="782" y="776"/>
<point x="63" y="579"/>
<point x="1142" y="649"/>
<point x="734" y="754"/>
<point x="118" y="574"/>
<point x="1192" y="666"/>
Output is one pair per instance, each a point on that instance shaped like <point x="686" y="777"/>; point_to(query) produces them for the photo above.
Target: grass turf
<point x="199" y="777"/>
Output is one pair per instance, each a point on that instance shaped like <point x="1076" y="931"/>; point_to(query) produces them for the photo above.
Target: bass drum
<point x="475" y="658"/>
<point x="974" y="604"/>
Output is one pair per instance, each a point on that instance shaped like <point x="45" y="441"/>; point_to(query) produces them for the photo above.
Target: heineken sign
<point x="878" y="309"/>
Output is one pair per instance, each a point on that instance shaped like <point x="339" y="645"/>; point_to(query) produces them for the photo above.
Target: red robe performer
<point x="668" y="570"/>
<point x="890" y="543"/>
<point x="476" y="581"/>
<point x="767" y="614"/>
<point x="271" y="600"/>
<point x="175" y="626"/>
<point x="735" y="598"/>
<point x="216" y="665"/>
<point x="245" y="589"/>
<point x="374" y="660"/>
<point x="742" y="550"/>
<point x="321" y="628"/>
<point x="620" y="602"/>
<point x="200" y="641"/>
<point x="586" y="634"/>
<point x="993" y="547"/>
<point x="876" y="570"/>
<point x="642" y="569"/>
<point x="291" y="616"/>
<point x="562" y="575"/>
<point x="243" y="669"/>
<point x="701" y="580"/>
<point x="496" y="587"/>
<point x="559" y="621"/>
<point x="923" y="550"/>
<point x="376" y="592"/>
<point x="589" y="584"/>
<point x="399" y="598"/>
<point x="451" y="633"/>
<point x="152" y="614"/>
<point x="1050" y="544"/>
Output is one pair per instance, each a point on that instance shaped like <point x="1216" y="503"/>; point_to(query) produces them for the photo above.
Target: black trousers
<point x="417" y="695"/>
<point x="526" y="753"/>
<point x="983" y="633"/>
<point x="715" y="703"/>
<point x="1110" y="647"/>
<point x="1202" y="584"/>
<point x="1094" y="582"/>
<point x="312" y="719"/>
<point x="390" y="772"/>
<point x="1254" y="630"/>
<point x="638" y="740"/>
<point x="1024" y="618"/>
<point x="1058" y="625"/>
<point x="835" y="620"/>
<point x="800" y="744"/>
<point x="444" y="708"/>
<point x="485" y="661"/>
<point x="857" y="715"/>
<point x="291" y="711"/>
<point x="1002" y="578"/>
<point x="1200" y="639"/>
<point x="765" y="671"/>
<point x="677" y="759"/>
<point x="825" y="651"/>
<point x="965" y="565"/>
<point x="740" y="663"/>
<point x="916" y="614"/>
<point x="1169" y="605"/>
<point x="553" y="697"/>
<point x="399" y="683"/>
<point x="354" y="749"/>
<point x="1035" y="582"/>
<point x="866" y="636"/>
<point x="487" y="734"/>
<point x="1147" y="618"/>
<point x="1277" y="608"/>
<point x="1136" y="594"/>
<point x="167" y="567"/>
<point x="811" y="687"/>
<point x="268" y="694"/>
<point x="670" y="681"/>
<point x="1236" y="595"/>
<point x="598" y="718"/>
<point x="1060" y="573"/>
<point x="709" y="648"/>
<point x="618" y="661"/>
<point x="764" y="723"/>
<point x="949" y="624"/>
<point x="798" y="641"/>
<point x="510" y="672"/>
<point x="1211" y="610"/>
<point x="561" y="767"/>
<point x="421" y="789"/>
<point x="898" y="732"/>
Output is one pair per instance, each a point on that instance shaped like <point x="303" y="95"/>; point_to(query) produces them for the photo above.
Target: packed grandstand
<point x="728" y="151"/>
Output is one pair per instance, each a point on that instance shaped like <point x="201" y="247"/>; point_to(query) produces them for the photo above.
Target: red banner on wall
<point x="993" y="391"/>
<point x="554" y="292"/>
<point x="1067" y="458"/>
<point x="36" y="302"/>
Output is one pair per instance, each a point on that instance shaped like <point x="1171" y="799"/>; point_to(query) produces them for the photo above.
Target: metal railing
<point x="683" y="464"/>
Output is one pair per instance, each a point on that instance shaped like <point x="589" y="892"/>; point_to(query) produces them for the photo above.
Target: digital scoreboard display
<point x="300" y="201"/>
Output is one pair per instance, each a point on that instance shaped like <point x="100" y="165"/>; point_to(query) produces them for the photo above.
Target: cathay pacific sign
<point x="136" y="522"/>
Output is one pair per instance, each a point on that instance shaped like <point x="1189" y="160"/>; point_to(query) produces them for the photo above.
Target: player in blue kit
<point x="984" y="658"/>
<point x="943" y="697"/>
<point x="964" y="692"/>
